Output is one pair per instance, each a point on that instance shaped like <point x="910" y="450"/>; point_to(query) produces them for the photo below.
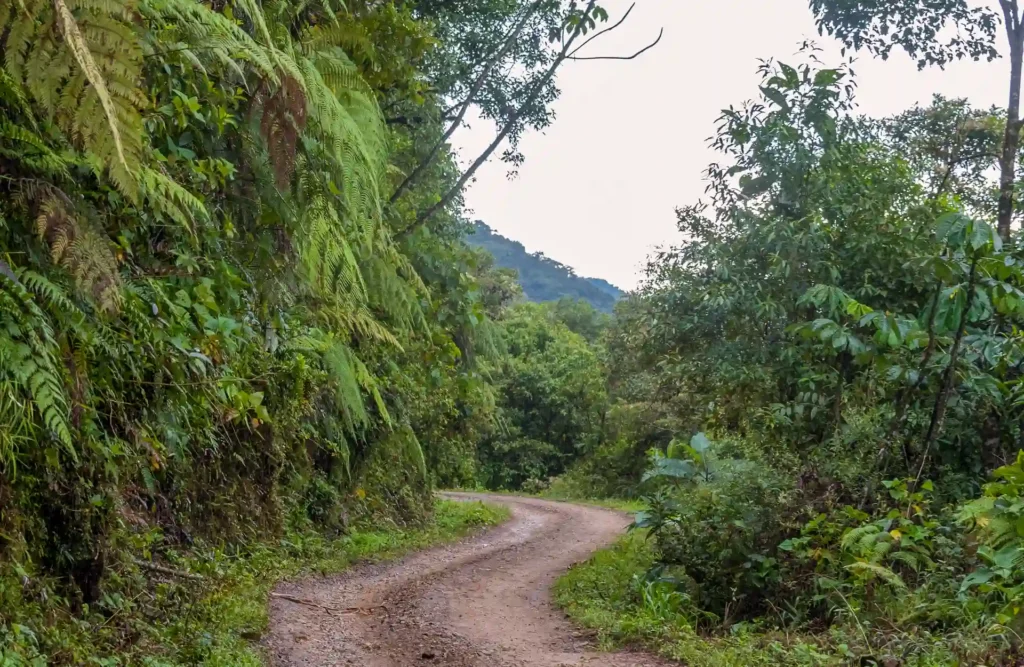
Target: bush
<point x="718" y="535"/>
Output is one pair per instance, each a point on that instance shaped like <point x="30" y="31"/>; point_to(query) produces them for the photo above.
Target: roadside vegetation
<point x="817" y="393"/>
<point x="241" y="332"/>
<point x="242" y="335"/>
<point x="209" y="605"/>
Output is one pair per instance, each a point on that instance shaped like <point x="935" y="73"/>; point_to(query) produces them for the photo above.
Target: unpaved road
<point x="483" y="602"/>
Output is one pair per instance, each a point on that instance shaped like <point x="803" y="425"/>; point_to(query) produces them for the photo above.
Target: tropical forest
<point x="272" y="393"/>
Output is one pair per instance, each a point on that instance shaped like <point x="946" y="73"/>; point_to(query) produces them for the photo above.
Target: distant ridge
<point x="542" y="278"/>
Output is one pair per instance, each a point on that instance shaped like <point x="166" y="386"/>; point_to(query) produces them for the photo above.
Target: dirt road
<point x="483" y="602"/>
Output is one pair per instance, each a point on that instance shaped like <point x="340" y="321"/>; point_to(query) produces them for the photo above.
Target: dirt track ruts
<point x="482" y="602"/>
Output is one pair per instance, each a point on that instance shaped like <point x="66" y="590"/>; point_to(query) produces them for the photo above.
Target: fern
<point x="350" y="379"/>
<point x="80" y="250"/>
<point x="165" y="196"/>
<point x="879" y="571"/>
<point x="206" y="37"/>
<point x="29" y="357"/>
<point x="81" y="61"/>
<point x="412" y="450"/>
<point x="860" y="536"/>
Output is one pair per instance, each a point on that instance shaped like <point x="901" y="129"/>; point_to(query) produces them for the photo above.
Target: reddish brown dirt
<point x="483" y="602"/>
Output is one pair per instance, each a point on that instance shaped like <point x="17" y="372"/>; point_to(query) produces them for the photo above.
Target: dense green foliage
<point x="810" y="393"/>
<point x="242" y="324"/>
<point x="550" y="394"/>
<point x="542" y="278"/>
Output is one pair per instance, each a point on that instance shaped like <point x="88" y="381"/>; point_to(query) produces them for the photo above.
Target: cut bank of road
<point x="483" y="602"/>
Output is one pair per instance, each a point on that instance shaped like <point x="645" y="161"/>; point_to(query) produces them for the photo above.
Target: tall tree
<point x="1011" y="142"/>
<point x="504" y="63"/>
<point x="937" y="33"/>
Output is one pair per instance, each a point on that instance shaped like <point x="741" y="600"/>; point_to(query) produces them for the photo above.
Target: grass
<point x="610" y="595"/>
<point x="216" y="621"/>
<point x="620" y="504"/>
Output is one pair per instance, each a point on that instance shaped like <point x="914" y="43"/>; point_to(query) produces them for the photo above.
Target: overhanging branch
<point x="647" y="48"/>
<point x="601" y="32"/>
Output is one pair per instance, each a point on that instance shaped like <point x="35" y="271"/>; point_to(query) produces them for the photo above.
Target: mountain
<point x="542" y="278"/>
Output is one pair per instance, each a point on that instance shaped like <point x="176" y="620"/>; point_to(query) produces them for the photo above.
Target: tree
<point x="540" y="37"/>
<point x="1011" y="142"/>
<point x="953" y="147"/>
<point x="550" y="399"/>
<point x="920" y="29"/>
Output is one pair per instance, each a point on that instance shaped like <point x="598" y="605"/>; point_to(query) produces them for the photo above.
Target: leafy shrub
<point x="997" y="518"/>
<point x="717" y="525"/>
<point x="533" y="485"/>
<point x="862" y="563"/>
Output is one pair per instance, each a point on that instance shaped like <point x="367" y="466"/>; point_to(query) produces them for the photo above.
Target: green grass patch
<point x="608" y="594"/>
<point x="215" y="622"/>
<point x="621" y="504"/>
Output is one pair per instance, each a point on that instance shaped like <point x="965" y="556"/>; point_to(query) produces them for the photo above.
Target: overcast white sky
<point x="599" y="189"/>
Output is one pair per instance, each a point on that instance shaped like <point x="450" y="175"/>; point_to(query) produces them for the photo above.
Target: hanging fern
<point x="81" y="61"/>
<point x="29" y="356"/>
<point x="205" y="38"/>
<point x="79" y="249"/>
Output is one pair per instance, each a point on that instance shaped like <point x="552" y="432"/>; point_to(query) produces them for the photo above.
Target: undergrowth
<point x="213" y="609"/>
<point x="613" y="594"/>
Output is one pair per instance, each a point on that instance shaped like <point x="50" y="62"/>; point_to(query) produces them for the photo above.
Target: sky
<point x="599" y="188"/>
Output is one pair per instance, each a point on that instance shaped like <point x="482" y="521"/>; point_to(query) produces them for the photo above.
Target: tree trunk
<point x="1011" y="141"/>
<point x="939" y="411"/>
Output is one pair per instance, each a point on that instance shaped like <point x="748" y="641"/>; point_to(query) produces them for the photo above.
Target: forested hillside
<point x="542" y="278"/>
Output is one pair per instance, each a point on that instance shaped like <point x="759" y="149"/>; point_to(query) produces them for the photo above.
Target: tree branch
<point x="635" y="55"/>
<point x="1010" y="14"/>
<point x="474" y="89"/>
<point x="601" y="32"/>
<point x="509" y="124"/>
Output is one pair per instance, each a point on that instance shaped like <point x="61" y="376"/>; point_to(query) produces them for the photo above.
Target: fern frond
<point x="29" y="356"/>
<point x="33" y="151"/>
<point x="343" y="368"/>
<point x="879" y="571"/>
<point x="83" y="55"/>
<point x="81" y="62"/>
<point x="910" y="559"/>
<point x="211" y="34"/>
<point x="859" y="534"/>
<point x="80" y="250"/>
<point x="168" y="198"/>
<point x="413" y="450"/>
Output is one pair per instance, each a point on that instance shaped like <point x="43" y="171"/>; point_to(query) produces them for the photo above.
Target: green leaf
<point x="777" y="97"/>
<point x="700" y="443"/>
<point x="674" y="468"/>
<point x="980" y="576"/>
<point x="826" y="77"/>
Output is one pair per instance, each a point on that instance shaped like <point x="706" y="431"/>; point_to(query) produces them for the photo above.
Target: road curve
<point x="483" y="602"/>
